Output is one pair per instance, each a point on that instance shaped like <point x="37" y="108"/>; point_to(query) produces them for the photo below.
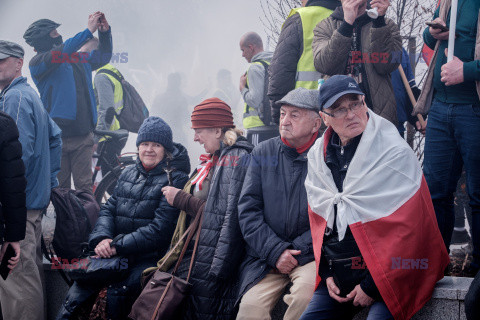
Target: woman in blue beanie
<point x="136" y="222"/>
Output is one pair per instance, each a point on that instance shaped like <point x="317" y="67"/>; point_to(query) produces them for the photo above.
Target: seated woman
<point x="137" y="216"/>
<point x="214" y="191"/>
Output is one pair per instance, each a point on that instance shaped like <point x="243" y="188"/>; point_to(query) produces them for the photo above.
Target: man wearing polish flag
<point x="375" y="235"/>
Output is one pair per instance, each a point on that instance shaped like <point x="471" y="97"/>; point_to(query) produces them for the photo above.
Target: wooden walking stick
<point x="410" y="94"/>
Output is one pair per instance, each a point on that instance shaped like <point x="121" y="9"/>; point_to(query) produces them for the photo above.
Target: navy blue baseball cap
<point x="336" y="87"/>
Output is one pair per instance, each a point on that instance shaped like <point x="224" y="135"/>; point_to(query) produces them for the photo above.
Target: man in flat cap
<point x="63" y="77"/>
<point x="21" y="295"/>
<point x="273" y="214"/>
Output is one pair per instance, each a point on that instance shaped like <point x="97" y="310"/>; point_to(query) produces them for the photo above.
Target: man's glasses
<point x="342" y="112"/>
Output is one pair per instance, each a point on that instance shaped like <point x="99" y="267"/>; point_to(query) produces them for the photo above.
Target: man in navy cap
<point x="372" y="220"/>
<point x="21" y="295"/>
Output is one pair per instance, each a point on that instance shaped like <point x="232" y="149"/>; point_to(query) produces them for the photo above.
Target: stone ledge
<point x="446" y="303"/>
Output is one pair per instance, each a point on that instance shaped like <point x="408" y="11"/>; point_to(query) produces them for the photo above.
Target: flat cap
<point x="301" y="98"/>
<point x="10" y="49"/>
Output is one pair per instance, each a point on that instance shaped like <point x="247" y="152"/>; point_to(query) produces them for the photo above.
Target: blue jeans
<point x="452" y="141"/>
<point x="322" y="306"/>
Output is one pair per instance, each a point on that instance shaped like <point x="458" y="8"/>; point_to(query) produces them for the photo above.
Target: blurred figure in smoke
<point x="172" y="105"/>
<point x="64" y="79"/>
<point x="227" y="92"/>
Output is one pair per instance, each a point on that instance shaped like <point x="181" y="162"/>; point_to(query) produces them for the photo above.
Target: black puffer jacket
<point x="139" y="211"/>
<point x="283" y="68"/>
<point x="221" y="247"/>
<point x="273" y="210"/>
<point x="13" y="210"/>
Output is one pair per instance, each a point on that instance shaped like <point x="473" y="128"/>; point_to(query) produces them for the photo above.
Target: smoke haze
<point x="194" y="38"/>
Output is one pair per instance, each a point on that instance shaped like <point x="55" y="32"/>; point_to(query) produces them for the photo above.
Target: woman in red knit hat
<point x="213" y="191"/>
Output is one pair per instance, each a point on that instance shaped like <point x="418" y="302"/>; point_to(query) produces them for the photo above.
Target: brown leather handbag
<point x="164" y="292"/>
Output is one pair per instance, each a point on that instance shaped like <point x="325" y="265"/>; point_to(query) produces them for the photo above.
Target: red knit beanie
<point x="212" y="113"/>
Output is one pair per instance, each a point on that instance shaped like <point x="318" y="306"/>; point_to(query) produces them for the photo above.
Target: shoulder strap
<point x="195" y="227"/>
<point x="49" y="258"/>
<point x="117" y="77"/>
<point x="266" y="112"/>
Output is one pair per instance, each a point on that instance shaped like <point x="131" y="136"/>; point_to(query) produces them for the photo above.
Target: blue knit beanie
<point x="154" y="129"/>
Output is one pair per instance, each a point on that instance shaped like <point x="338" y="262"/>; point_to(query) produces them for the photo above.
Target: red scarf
<point x="306" y="146"/>
<point x="206" y="163"/>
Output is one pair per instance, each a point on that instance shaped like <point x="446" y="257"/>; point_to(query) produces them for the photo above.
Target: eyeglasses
<point x="342" y="112"/>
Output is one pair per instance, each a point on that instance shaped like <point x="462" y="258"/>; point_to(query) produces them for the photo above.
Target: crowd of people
<point x="321" y="202"/>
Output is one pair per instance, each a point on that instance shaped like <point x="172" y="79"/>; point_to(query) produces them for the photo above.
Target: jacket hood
<point x="264" y="55"/>
<point x="329" y="4"/>
<point x="180" y="161"/>
<point x="13" y="83"/>
<point x="241" y="143"/>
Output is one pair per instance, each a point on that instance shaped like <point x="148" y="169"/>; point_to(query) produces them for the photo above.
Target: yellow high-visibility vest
<point x="307" y="76"/>
<point x="251" y="118"/>
<point x="117" y="96"/>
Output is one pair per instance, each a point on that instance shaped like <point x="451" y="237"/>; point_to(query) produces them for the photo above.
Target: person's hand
<point x="103" y="249"/>
<point x="170" y="193"/>
<point x="381" y="5"/>
<point x="286" y="262"/>
<point x="452" y="72"/>
<point x="334" y="292"/>
<point x="351" y="10"/>
<point x="93" y="21"/>
<point x="103" y="26"/>
<point x="421" y="129"/>
<point x="243" y="81"/>
<point x="14" y="260"/>
<point x="437" y="33"/>
<point x="360" y="298"/>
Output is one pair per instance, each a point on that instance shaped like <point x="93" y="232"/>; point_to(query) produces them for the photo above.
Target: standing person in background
<point x="109" y="97"/>
<point x="350" y="43"/>
<point x="22" y="293"/>
<point x="253" y="87"/>
<point x="451" y="97"/>
<point x="292" y="63"/>
<point x="64" y="79"/>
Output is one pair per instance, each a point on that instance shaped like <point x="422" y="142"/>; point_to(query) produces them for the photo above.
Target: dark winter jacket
<point x="221" y="247"/>
<point x="379" y="42"/>
<point x="273" y="209"/>
<point x="65" y="86"/>
<point x="13" y="210"/>
<point x="139" y="211"/>
<point x="283" y="67"/>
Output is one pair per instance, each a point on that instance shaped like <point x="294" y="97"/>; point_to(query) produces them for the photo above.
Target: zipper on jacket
<point x="341" y="150"/>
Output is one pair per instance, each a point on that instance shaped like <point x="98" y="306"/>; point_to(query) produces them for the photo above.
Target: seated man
<point x="375" y="236"/>
<point x="273" y="214"/>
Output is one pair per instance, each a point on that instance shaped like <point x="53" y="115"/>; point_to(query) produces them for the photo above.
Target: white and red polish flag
<point x="386" y="203"/>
